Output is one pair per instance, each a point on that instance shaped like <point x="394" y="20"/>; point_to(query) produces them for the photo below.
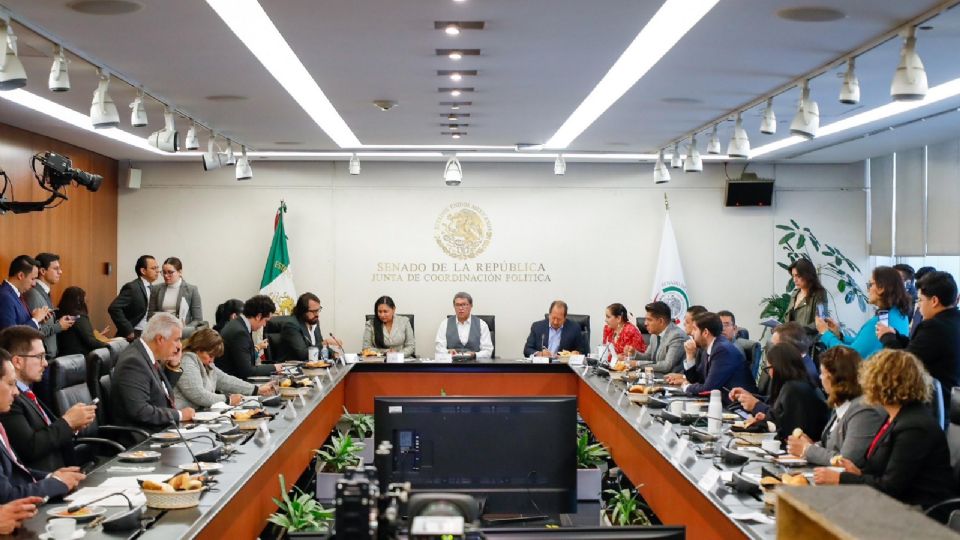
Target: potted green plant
<point x="333" y="459"/>
<point x="589" y="459"/>
<point x="360" y="427"/>
<point x="300" y="515"/>
<point x="624" y="508"/>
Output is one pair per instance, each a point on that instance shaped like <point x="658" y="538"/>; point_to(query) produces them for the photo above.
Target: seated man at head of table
<point x="554" y="334"/>
<point x="240" y="354"/>
<point x="723" y="366"/>
<point x="666" y="340"/>
<point x="464" y="334"/>
<point x="141" y="391"/>
<point x="16" y="479"/>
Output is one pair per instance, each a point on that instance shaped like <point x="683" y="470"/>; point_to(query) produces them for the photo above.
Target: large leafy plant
<point x="589" y="456"/>
<point x="301" y="512"/>
<point x="836" y="270"/>
<point x="339" y="454"/>
<point x="624" y="508"/>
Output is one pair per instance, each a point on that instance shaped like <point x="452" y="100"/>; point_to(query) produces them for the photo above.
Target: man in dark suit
<point x="129" y="309"/>
<point x="554" y="334"/>
<point x="16" y="479"/>
<point x="13" y="306"/>
<point x="297" y="333"/>
<point x="49" y="275"/>
<point x="41" y="439"/>
<point x="723" y="366"/>
<point x="936" y="340"/>
<point x="240" y="353"/>
<point x="142" y="395"/>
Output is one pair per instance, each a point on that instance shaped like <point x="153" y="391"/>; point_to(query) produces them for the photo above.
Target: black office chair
<point x="407" y="315"/>
<point x="116" y="347"/>
<point x="99" y="362"/>
<point x="68" y="375"/>
<point x="276" y="351"/>
<point x="644" y="333"/>
<point x="491" y="320"/>
<point x="948" y="512"/>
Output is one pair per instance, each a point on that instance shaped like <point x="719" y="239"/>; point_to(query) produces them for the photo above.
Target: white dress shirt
<point x="463" y="330"/>
<point x="146" y="289"/>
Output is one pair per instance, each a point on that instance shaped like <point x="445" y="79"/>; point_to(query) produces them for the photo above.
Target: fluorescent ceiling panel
<point x="248" y="20"/>
<point x="670" y="23"/>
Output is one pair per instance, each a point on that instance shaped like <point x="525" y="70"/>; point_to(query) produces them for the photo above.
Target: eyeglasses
<point x="318" y="310"/>
<point x="461" y="306"/>
<point x="39" y="356"/>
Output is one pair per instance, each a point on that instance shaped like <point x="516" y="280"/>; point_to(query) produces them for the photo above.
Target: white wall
<point x="595" y="230"/>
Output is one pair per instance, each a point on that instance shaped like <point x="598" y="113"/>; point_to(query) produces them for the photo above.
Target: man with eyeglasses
<point x="129" y="309"/>
<point x="41" y="439"/>
<point x="296" y="334"/>
<point x="464" y="334"/>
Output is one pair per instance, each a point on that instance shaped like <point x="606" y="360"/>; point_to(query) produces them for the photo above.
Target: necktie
<point x="163" y="385"/>
<point x="13" y="455"/>
<point x="33" y="397"/>
<point x="656" y="347"/>
<point x="25" y="306"/>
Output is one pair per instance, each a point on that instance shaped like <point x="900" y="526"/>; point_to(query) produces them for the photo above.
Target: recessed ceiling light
<point x="455" y="135"/>
<point x="455" y="76"/>
<point x="454" y="107"/>
<point x="455" y="92"/>
<point x="105" y="7"/>
<point x="384" y="104"/>
<point x="455" y="55"/>
<point x="454" y="127"/>
<point x="453" y="118"/>
<point x="811" y="14"/>
<point x="225" y="97"/>
<point x="452" y="30"/>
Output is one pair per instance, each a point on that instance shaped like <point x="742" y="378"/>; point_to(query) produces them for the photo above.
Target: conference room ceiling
<point x="538" y="60"/>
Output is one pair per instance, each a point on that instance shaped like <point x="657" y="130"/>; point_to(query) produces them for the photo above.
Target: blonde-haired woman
<point x="908" y="458"/>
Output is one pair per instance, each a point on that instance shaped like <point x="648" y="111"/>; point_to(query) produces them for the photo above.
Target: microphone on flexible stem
<point x="186" y="443"/>
<point x="343" y="351"/>
<point x="75" y="507"/>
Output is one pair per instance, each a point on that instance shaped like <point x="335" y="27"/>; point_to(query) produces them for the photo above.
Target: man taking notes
<point x="464" y="334"/>
<point x="554" y="334"/>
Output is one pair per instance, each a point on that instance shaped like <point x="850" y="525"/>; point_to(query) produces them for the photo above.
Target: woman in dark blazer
<point x="177" y="297"/>
<point x="853" y="423"/>
<point x="908" y="458"/>
<point x="79" y="338"/>
<point x="794" y="402"/>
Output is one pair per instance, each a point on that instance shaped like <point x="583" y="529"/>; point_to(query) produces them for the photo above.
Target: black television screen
<point x="517" y="455"/>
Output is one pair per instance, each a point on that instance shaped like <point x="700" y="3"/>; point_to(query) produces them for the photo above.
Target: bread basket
<point x="294" y="391"/>
<point x="172" y="500"/>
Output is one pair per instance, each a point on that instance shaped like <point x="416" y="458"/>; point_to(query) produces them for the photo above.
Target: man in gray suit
<point x="50" y="273"/>
<point x="666" y="340"/>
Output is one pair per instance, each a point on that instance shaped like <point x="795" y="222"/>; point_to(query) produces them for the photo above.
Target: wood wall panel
<point x="82" y="230"/>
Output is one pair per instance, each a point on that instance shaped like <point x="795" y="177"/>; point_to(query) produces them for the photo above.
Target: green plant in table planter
<point x="832" y="266"/>
<point x="339" y="454"/>
<point x="359" y="425"/>
<point x="590" y="456"/>
<point x="301" y="512"/>
<point x="624" y="509"/>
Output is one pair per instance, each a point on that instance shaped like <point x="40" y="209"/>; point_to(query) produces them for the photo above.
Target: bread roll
<point x="150" y="485"/>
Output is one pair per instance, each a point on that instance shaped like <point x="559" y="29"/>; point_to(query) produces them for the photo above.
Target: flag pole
<point x="666" y="202"/>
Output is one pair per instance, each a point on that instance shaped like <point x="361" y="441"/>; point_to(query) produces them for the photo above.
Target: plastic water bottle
<point x="714" y="413"/>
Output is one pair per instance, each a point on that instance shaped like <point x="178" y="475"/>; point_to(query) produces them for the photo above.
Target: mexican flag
<point x="668" y="283"/>
<point x="277" y="282"/>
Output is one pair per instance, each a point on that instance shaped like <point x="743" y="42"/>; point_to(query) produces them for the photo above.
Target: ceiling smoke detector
<point x="384" y="104"/>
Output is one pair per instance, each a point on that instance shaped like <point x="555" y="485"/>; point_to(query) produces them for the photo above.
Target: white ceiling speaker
<point x="560" y="166"/>
<point x="713" y="145"/>
<point x="103" y="111"/>
<point x="228" y="158"/>
<point x="192" y="143"/>
<point x="910" y="80"/>
<point x="12" y="75"/>
<point x="850" y="89"/>
<point x="768" y="122"/>
<point x="59" y="80"/>
<point x="675" y="160"/>
<point x="244" y="171"/>
<point x="354" y="167"/>
<point x="166" y="139"/>
<point x="739" y="145"/>
<point x="661" y="174"/>
<point x="138" y="111"/>
<point x="693" y="163"/>
<point x="211" y="158"/>
<point x="453" y="172"/>
<point x="807" y="120"/>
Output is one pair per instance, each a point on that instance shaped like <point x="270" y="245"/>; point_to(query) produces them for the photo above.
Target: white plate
<point x="206" y="416"/>
<point x="94" y="512"/>
<point x="139" y="456"/>
<point x="206" y="466"/>
<point x="79" y="533"/>
<point x="165" y="436"/>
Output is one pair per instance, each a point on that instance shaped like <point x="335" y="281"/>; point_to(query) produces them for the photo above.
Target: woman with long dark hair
<point x="79" y="338"/>
<point x="621" y="333"/>
<point x="794" y="402"/>
<point x="808" y="293"/>
<point x="885" y="290"/>
<point x="226" y="312"/>
<point x="387" y="331"/>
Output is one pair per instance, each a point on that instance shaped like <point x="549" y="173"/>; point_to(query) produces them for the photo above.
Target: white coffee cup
<point x="770" y="445"/>
<point x="61" y="528"/>
<point x="676" y="407"/>
<point x="313" y="354"/>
